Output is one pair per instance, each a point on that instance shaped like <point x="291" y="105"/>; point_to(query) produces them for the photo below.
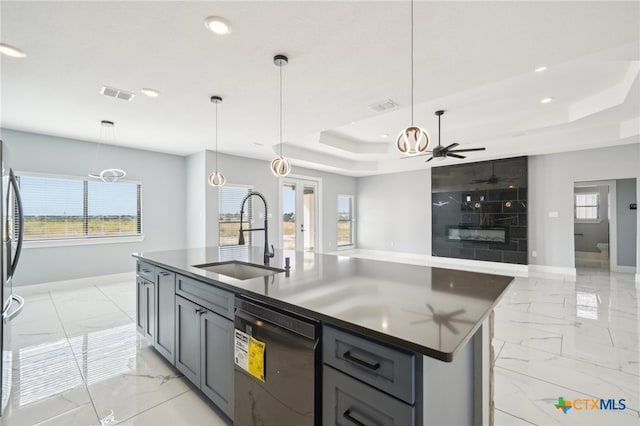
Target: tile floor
<point x="77" y="359"/>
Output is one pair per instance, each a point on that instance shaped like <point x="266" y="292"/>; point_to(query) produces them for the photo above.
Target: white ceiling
<point x="474" y="59"/>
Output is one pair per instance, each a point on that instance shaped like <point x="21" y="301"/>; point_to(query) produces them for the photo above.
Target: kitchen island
<point x="435" y="318"/>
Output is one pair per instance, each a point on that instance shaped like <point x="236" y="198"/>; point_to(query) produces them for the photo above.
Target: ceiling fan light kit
<point x="441" y="152"/>
<point x="280" y="166"/>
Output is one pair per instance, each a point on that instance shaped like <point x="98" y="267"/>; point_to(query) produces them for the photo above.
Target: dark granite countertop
<point x="433" y="311"/>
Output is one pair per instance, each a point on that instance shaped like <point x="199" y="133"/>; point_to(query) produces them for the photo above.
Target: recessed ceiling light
<point x="258" y="144"/>
<point x="384" y="136"/>
<point x="540" y="69"/>
<point x="217" y="25"/>
<point x="546" y="100"/>
<point x="9" y="50"/>
<point x="152" y="93"/>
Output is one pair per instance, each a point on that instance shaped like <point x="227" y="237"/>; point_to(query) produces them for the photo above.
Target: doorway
<point x="595" y="224"/>
<point x="299" y="213"/>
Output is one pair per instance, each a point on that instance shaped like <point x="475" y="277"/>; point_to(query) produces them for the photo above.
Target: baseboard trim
<point x="497" y="268"/>
<point x="77" y="282"/>
<point x="555" y="270"/>
<point x="625" y="269"/>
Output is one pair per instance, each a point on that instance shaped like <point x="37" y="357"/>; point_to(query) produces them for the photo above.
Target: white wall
<point x="257" y="173"/>
<point x="195" y="195"/>
<point x="551" y="180"/>
<point x="163" y="202"/>
<point x="394" y="212"/>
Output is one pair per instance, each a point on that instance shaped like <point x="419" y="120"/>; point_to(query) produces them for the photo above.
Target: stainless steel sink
<point x="239" y="270"/>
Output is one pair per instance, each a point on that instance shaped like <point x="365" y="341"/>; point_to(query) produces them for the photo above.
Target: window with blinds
<point x="345" y="220"/>
<point x="586" y="205"/>
<point x="58" y="208"/>
<point x="229" y="203"/>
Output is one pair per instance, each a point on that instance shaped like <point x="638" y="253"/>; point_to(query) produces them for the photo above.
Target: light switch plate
<point x="553" y="214"/>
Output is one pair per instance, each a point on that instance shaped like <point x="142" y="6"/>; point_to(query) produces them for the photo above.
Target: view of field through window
<point x="58" y="208"/>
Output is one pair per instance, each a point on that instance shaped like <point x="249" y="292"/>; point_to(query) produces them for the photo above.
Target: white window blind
<point x="62" y="208"/>
<point x="586" y="205"/>
<point x="345" y="220"/>
<point x="229" y="203"/>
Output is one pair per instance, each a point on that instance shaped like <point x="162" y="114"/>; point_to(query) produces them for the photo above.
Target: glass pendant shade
<point x="280" y="166"/>
<point x="216" y="179"/>
<point x="413" y="140"/>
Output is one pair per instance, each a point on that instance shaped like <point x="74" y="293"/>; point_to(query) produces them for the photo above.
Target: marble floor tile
<point x="37" y="332"/>
<point x="93" y="324"/>
<point x="534" y="400"/>
<point x="531" y="338"/>
<point x="130" y="384"/>
<point x="190" y="408"/>
<point x="78" y="309"/>
<point x="587" y="377"/>
<point x="502" y="418"/>
<point x="83" y="415"/>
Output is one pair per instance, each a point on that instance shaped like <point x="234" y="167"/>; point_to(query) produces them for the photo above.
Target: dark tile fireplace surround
<point x="479" y="210"/>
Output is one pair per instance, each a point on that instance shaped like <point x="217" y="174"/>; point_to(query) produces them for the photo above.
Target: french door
<point x="299" y="207"/>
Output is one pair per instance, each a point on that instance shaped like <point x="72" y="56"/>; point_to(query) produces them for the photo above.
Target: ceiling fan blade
<point x="453" y="145"/>
<point x="429" y="160"/>
<point x="469" y="150"/>
<point x="449" y="154"/>
<point x="413" y="156"/>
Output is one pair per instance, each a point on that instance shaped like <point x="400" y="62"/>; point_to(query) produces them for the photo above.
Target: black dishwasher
<point x="276" y="382"/>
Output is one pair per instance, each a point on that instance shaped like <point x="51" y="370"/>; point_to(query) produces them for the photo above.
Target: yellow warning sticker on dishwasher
<point x="249" y="354"/>
<point x="256" y="358"/>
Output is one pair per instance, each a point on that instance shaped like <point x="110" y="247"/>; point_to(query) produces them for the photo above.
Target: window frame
<point x="248" y="235"/>
<point x="352" y="222"/>
<point x="85" y="239"/>
<point x="597" y="219"/>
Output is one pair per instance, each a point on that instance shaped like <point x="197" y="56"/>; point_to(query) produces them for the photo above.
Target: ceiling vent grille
<point x="384" y="105"/>
<point x="116" y="93"/>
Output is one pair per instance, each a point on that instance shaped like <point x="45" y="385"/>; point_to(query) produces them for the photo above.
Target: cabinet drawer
<point x="348" y="402"/>
<point x="388" y="369"/>
<point x="146" y="270"/>
<point x="207" y="295"/>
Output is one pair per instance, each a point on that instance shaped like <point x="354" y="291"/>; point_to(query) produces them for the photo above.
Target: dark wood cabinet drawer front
<point x="146" y="270"/>
<point x="388" y="369"/>
<point x="348" y="402"/>
<point x="212" y="298"/>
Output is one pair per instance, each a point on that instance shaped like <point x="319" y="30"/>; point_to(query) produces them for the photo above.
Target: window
<point x="58" y="208"/>
<point x="229" y="203"/>
<point x="345" y="220"/>
<point x="587" y="206"/>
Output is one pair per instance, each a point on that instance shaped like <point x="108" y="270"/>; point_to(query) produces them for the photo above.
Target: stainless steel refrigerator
<point x="12" y="222"/>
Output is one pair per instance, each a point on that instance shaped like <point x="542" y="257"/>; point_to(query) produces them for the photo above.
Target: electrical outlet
<point x="534" y="253"/>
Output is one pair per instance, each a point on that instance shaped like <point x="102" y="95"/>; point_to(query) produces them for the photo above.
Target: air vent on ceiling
<point x="384" y="105"/>
<point x="116" y="93"/>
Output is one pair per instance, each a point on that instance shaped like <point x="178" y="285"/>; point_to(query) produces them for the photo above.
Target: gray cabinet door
<point x="187" y="346"/>
<point x="141" y="312"/>
<point x="217" y="360"/>
<point x="145" y="312"/>
<point x="165" y="320"/>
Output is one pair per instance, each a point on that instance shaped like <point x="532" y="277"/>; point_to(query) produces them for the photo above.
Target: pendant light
<point x="280" y="166"/>
<point x="107" y="132"/>
<point x="216" y="178"/>
<point x="412" y="140"/>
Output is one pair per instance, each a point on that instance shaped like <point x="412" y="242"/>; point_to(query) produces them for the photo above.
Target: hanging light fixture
<point x="280" y="166"/>
<point x="107" y="132"/>
<point x="412" y="140"/>
<point x="216" y="178"/>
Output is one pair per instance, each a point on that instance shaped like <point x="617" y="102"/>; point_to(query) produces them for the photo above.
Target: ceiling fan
<point x="447" y="151"/>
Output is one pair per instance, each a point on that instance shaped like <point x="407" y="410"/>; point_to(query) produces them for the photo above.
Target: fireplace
<point x="483" y="234"/>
